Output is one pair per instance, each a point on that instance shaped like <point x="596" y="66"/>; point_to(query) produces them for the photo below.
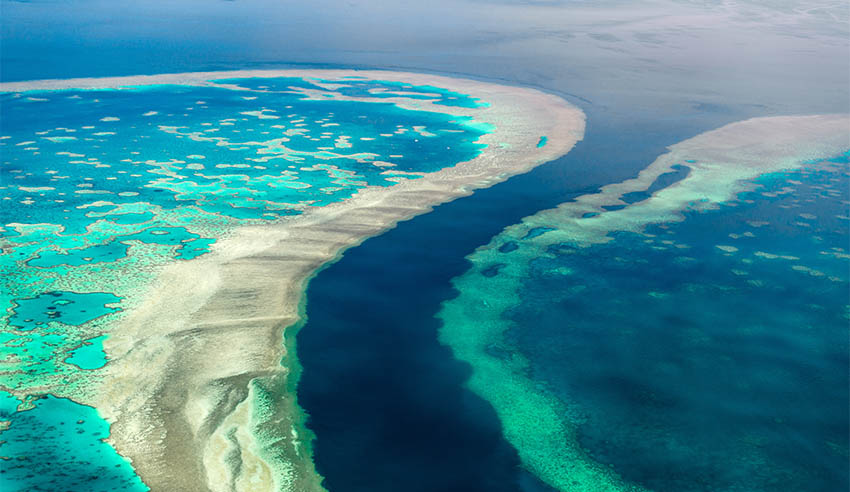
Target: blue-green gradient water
<point x="647" y="75"/>
<point x="100" y="187"/>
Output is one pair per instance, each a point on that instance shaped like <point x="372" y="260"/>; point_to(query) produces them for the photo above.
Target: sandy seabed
<point x="192" y="367"/>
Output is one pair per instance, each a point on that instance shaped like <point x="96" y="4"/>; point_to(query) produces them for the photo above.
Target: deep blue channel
<point x="386" y="401"/>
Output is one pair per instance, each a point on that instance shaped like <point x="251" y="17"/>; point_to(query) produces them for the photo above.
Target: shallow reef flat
<point x="158" y="232"/>
<point x="648" y="335"/>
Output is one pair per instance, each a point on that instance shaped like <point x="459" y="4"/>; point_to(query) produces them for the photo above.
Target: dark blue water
<point x="660" y="57"/>
<point x="664" y="180"/>
<point x="375" y="381"/>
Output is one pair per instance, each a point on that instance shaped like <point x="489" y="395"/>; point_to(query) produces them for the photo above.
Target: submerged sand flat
<point x="721" y="162"/>
<point x="192" y="366"/>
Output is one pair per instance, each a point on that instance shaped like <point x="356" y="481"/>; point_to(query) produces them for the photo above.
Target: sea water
<point x="668" y="59"/>
<point x="709" y="353"/>
<point x="705" y="352"/>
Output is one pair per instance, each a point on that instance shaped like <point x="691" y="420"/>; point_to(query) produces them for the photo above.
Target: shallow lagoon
<point x="58" y="445"/>
<point x="103" y="186"/>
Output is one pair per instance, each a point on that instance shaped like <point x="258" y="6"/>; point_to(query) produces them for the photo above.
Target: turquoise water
<point x="58" y="445"/>
<point x="69" y="308"/>
<point x="101" y="187"/>
<point x="89" y="355"/>
<point x="705" y="354"/>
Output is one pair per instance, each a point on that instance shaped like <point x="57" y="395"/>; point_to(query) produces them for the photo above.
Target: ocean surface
<point x="681" y="384"/>
<point x="694" y="390"/>
<point x="701" y="353"/>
